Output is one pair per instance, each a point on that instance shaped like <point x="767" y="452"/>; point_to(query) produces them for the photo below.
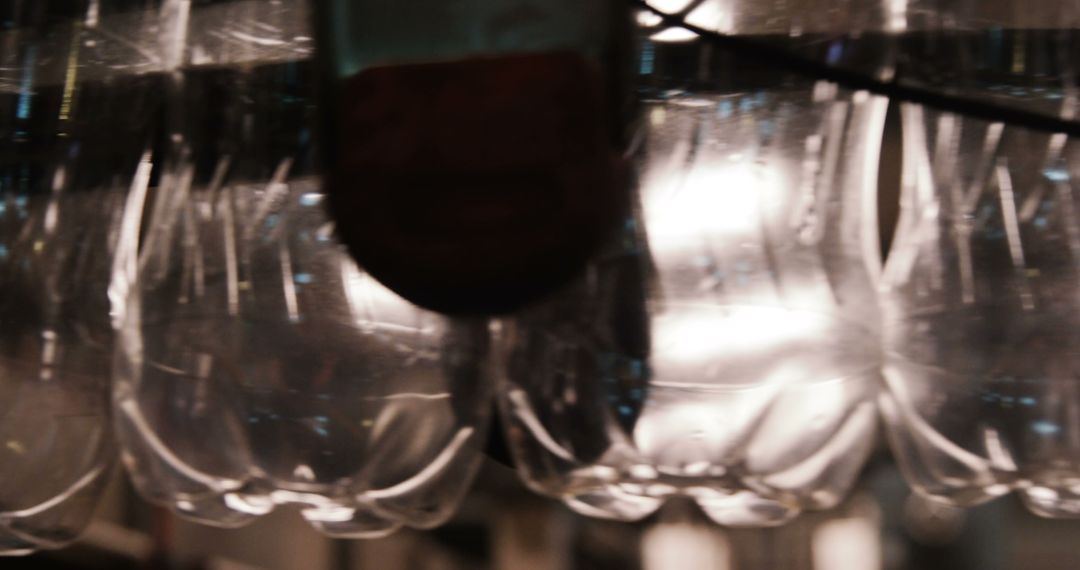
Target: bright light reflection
<point x="332" y="514"/>
<point x="670" y="6"/>
<point x="712" y="16"/>
<point x="248" y="505"/>
<point x="699" y="432"/>
<point x="686" y="547"/>
<point x="847" y="544"/>
<point x="717" y="200"/>
<point x="673" y="35"/>
<point x="898" y="11"/>
<point x="648" y="19"/>
<point x="698" y="336"/>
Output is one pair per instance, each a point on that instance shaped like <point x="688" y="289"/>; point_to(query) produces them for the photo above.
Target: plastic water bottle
<point x="725" y="346"/>
<point x="75" y="113"/>
<point x="258" y="364"/>
<point x="980" y="290"/>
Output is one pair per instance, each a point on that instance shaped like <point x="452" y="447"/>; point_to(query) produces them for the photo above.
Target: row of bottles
<point x="680" y="246"/>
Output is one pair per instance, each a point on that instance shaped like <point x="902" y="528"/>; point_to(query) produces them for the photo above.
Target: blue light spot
<point x="26" y="89"/>
<point x="836" y="52"/>
<point x="1045" y="428"/>
<point x="626" y="410"/>
<point x="304" y="278"/>
<point x="272" y="221"/>
<point x="1041" y="222"/>
<point x="746" y="104"/>
<point x="1027" y="401"/>
<point x="4" y="251"/>
<point x="648" y="59"/>
<point x="311" y="199"/>
<point x="1056" y="174"/>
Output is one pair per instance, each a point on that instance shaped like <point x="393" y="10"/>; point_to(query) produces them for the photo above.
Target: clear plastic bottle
<point x="725" y="348"/>
<point x="980" y="289"/>
<point x="258" y="365"/>
<point x="75" y="122"/>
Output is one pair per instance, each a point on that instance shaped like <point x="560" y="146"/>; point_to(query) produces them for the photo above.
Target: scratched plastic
<point x="258" y="365"/>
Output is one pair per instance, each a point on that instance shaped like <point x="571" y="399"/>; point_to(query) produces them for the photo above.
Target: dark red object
<point x="475" y="186"/>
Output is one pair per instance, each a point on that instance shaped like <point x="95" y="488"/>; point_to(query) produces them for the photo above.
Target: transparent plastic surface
<point x="72" y="133"/>
<point x="724" y="347"/>
<point x="258" y="365"/>
<point x="984" y="51"/>
<point x="981" y="314"/>
<point x="1015" y="54"/>
<point x="980" y="289"/>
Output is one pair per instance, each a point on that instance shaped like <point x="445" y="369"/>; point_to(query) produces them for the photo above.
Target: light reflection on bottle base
<point x="755" y="413"/>
<point x="215" y="511"/>
<point x="363" y="527"/>
<point x="1050" y="502"/>
<point x="55" y="523"/>
<point x="613" y="504"/>
<point x="742" y="509"/>
<point x="376" y="440"/>
<point x="745" y="509"/>
<point x="1020" y="442"/>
